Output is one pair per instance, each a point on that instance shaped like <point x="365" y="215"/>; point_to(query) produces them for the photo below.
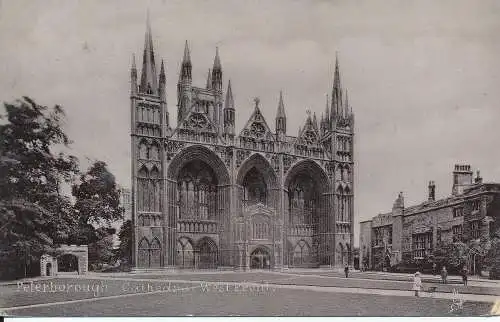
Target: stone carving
<point x="288" y="160"/>
<point x="241" y="155"/>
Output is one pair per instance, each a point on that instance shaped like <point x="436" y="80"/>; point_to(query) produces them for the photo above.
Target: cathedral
<point x="206" y="196"/>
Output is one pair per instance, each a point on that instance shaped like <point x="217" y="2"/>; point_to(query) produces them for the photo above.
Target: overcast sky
<point x="423" y="76"/>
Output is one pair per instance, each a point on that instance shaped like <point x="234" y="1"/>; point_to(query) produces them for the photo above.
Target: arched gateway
<point x="206" y="197"/>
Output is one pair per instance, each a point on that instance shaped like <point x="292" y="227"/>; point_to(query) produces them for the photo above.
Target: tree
<point x="452" y="255"/>
<point x="97" y="203"/>
<point x="34" y="216"/>
<point x="124" y="252"/>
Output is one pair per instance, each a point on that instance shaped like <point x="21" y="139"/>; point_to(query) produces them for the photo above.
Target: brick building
<point x="206" y="197"/>
<point x="413" y="233"/>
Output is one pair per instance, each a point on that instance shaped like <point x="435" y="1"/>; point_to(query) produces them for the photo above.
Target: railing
<point x="302" y="230"/>
<point x="192" y="226"/>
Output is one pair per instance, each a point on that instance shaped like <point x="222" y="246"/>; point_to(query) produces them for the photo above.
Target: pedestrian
<point x="444" y="274"/>
<point x="346" y="271"/>
<point x="434" y="269"/>
<point x="417" y="283"/>
<point x="464" y="275"/>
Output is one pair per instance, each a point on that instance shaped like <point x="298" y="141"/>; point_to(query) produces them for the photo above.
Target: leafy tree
<point x="97" y="203"/>
<point x="102" y="250"/>
<point x="124" y="252"/>
<point x="453" y="255"/>
<point x="34" y="216"/>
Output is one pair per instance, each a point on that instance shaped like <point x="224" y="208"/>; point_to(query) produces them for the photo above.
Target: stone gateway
<point x="205" y="198"/>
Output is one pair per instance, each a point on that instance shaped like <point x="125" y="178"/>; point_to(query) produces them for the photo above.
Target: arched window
<point x="154" y="152"/>
<point x="185" y="253"/>
<point x="143" y="150"/>
<point x="155" y="253"/>
<point x="197" y="191"/>
<point x="255" y="187"/>
<point x="143" y="253"/>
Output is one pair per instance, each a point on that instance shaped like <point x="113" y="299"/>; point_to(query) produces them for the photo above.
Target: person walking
<point x="434" y="269"/>
<point x="417" y="283"/>
<point x="444" y="275"/>
<point x="464" y="275"/>
<point x="346" y="271"/>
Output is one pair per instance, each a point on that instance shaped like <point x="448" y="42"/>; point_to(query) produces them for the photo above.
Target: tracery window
<point x="303" y="200"/>
<point x="255" y="189"/>
<point x="197" y="192"/>
<point x="148" y="190"/>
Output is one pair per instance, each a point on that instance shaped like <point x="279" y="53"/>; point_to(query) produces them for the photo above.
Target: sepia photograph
<point x="174" y="158"/>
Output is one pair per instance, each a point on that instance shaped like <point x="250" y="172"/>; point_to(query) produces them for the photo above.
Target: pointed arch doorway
<point x="260" y="258"/>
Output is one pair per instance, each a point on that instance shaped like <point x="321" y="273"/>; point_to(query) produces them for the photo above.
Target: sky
<point x="423" y="76"/>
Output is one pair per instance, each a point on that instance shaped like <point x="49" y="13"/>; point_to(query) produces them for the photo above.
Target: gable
<point x="256" y="127"/>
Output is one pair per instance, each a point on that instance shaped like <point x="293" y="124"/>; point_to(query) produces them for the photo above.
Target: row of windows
<point x="343" y="144"/>
<point x="148" y="131"/>
<point x="421" y="244"/>
<point x="149" y="220"/>
<point x="261" y="231"/>
<point x="147" y="114"/>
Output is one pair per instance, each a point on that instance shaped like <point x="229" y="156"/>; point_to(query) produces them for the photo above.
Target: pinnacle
<point x="187" y="54"/>
<point x="281" y="107"/>
<point x="217" y="64"/>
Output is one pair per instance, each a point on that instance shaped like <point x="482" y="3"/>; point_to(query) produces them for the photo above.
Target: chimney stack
<point x="432" y="191"/>
<point x="478" y="179"/>
<point x="462" y="178"/>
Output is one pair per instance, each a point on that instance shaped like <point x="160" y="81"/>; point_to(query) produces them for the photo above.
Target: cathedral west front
<point x="206" y="195"/>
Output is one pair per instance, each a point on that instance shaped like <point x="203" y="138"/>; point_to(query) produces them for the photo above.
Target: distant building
<point x="407" y="233"/>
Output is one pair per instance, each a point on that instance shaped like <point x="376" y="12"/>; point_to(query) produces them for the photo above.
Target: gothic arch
<point x="185" y="253"/>
<point x="312" y="169"/>
<point x="301" y="253"/>
<point x="207" y="252"/>
<point x="201" y="153"/>
<point x="260" y="163"/>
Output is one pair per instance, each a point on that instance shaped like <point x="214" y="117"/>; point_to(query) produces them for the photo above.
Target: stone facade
<point x="471" y="212"/>
<point x="204" y="197"/>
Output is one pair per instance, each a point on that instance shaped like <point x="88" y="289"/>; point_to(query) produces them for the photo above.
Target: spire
<point x="162" y="83"/>
<point x="209" y="79"/>
<point x="281" y="107"/>
<point x="148" y="77"/>
<point x="186" y="67"/>
<point x="217" y="64"/>
<point x="315" y="122"/>
<point x="187" y="55"/>
<point x="162" y="73"/>
<point x="281" y="116"/>
<point x="336" y="90"/>
<point x="217" y="72"/>
<point x="346" y="105"/>
<point x="229" y="111"/>
<point x="229" y="97"/>
<point x="133" y="77"/>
